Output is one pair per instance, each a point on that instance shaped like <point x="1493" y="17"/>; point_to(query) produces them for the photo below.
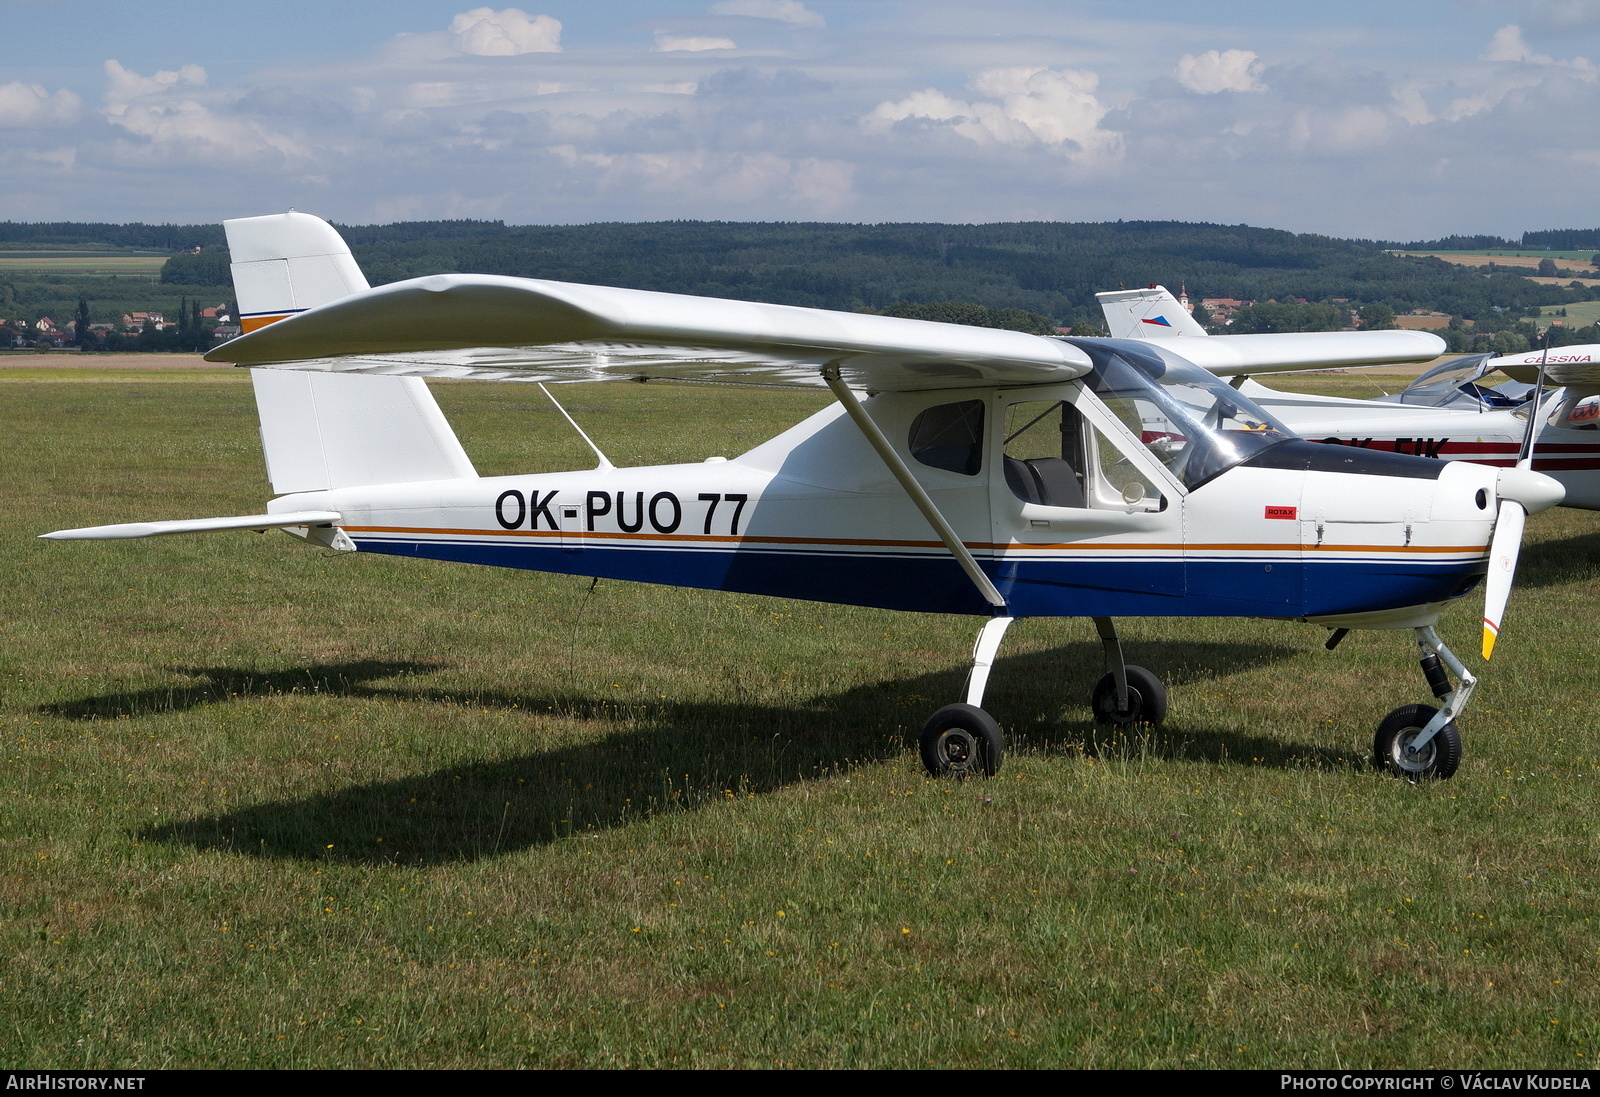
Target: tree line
<point x="1048" y="269"/>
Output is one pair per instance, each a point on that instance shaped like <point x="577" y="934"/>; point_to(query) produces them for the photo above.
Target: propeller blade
<point x="1520" y="490"/>
<point x="1502" y="567"/>
<point x="1530" y="437"/>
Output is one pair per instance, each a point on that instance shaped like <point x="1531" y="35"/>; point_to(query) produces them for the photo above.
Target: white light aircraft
<point x="1450" y="412"/>
<point x="983" y="472"/>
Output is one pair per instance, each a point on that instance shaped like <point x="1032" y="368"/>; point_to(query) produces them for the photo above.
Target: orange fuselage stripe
<point x="857" y="543"/>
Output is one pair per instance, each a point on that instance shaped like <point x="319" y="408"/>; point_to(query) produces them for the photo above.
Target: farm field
<point x="1509" y="257"/>
<point x="1579" y="314"/>
<point x="87" y="262"/>
<point x="263" y="806"/>
<point x="1569" y="260"/>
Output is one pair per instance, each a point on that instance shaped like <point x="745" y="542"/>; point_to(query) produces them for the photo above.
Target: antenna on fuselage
<point x="605" y="464"/>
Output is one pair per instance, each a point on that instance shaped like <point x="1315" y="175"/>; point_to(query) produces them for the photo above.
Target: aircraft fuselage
<point x="1299" y="531"/>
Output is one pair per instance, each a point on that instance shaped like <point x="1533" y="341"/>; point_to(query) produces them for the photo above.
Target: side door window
<point x="1054" y="457"/>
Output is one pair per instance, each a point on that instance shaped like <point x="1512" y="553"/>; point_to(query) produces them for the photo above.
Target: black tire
<point x="962" y="741"/>
<point x="1147" y="700"/>
<point x="1439" y="757"/>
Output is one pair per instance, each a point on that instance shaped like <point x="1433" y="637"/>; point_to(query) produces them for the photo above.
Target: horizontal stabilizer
<point x="1288" y="352"/>
<point x="490" y="326"/>
<point x="195" y="525"/>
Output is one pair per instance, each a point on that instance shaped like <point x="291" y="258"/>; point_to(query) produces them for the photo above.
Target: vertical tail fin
<point x="285" y="263"/>
<point x="1145" y="314"/>
<point x="329" y="430"/>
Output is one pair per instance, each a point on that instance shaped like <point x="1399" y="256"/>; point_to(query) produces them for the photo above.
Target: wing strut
<point x="918" y="495"/>
<point x="605" y="464"/>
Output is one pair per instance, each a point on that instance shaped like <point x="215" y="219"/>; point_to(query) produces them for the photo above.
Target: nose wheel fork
<point x="1420" y="742"/>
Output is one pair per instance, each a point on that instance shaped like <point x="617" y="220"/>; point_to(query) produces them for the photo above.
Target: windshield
<point x="1457" y="382"/>
<point x="1193" y="423"/>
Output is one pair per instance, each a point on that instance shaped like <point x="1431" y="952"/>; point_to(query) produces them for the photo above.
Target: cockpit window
<point x="950" y="436"/>
<point x="1188" y="419"/>
<point x="1461" y="381"/>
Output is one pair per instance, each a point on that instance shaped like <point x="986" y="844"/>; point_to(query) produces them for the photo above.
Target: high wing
<point x="525" y="329"/>
<point x="1572" y="366"/>
<point x="1229" y="355"/>
<point x="1153" y="313"/>
<point x="501" y="328"/>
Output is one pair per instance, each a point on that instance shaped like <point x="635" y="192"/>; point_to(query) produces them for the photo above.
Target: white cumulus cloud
<point x="1507" y="44"/>
<point x="30" y="105"/>
<point x="1216" y="71"/>
<point x="125" y="85"/>
<point x="485" y="32"/>
<point x="160" y="109"/>
<point x="677" y="43"/>
<point x="1409" y="104"/>
<point x="785" y="11"/>
<point x="1026" y="106"/>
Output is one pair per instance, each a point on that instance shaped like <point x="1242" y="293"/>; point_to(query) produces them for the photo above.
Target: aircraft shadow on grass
<point x="1556" y="563"/>
<point x="669" y="757"/>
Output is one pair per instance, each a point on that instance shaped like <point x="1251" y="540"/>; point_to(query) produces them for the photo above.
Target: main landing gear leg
<point x="962" y="740"/>
<point x="1420" y="742"/>
<point x="1127" y="695"/>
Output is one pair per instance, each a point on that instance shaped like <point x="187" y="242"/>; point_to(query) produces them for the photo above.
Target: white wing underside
<point x="566" y="363"/>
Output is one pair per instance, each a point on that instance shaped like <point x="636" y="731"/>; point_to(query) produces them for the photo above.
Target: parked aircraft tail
<point x="328" y="430"/>
<point x="1151" y="313"/>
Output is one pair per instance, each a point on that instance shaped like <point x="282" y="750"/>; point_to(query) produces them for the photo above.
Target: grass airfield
<point x="263" y="806"/>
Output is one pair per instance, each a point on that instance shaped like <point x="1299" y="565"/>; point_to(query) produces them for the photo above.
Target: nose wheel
<point x="1395" y="747"/>
<point x="1420" y="742"/>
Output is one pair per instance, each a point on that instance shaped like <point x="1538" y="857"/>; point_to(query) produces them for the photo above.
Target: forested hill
<point x="1044" y="267"/>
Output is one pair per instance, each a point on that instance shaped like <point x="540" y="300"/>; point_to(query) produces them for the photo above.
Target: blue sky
<point x="1395" y="120"/>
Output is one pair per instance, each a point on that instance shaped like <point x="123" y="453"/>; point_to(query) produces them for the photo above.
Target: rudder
<point x="325" y="430"/>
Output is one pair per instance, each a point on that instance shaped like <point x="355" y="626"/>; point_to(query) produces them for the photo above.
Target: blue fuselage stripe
<point x="1286" y="587"/>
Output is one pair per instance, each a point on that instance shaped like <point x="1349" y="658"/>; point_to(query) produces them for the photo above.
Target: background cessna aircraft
<point x="1449" y="412"/>
<point x="984" y="472"/>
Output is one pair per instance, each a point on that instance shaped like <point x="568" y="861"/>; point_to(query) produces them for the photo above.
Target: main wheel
<point x="1147" y="700"/>
<point x="1392" y="750"/>
<point x="962" y="741"/>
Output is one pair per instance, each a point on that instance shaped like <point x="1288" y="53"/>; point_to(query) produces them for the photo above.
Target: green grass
<point x="1579" y="314"/>
<point x="263" y="806"/>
